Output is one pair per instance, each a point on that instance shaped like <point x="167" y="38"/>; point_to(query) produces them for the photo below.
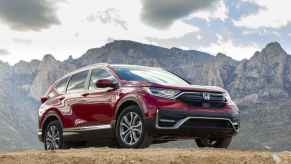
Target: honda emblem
<point x="206" y="96"/>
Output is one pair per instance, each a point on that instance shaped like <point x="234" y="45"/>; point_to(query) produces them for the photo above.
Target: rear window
<point x="62" y="85"/>
<point x="78" y="81"/>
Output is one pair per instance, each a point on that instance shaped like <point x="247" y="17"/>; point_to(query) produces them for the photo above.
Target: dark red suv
<point x="134" y="106"/>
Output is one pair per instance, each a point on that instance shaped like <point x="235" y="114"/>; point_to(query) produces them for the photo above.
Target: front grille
<point x="198" y="99"/>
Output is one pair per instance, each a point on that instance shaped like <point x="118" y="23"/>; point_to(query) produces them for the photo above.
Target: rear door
<point x="76" y="101"/>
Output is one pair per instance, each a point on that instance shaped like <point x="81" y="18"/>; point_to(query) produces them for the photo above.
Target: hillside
<point x="260" y="85"/>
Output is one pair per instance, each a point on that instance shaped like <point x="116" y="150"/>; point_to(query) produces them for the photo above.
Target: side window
<point x="98" y="74"/>
<point x="78" y="81"/>
<point x="61" y="85"/>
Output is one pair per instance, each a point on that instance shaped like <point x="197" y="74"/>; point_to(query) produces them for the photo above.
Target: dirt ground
<point x="145" y="156"/>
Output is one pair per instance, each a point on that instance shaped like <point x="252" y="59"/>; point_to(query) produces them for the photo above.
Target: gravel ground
<point x="144" y="156"/>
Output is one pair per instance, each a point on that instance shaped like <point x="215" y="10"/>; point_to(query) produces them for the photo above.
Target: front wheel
<point x="130" y="129"/>
<point x="213" y="142"/>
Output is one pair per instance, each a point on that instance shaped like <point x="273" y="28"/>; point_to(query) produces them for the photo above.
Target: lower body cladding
<point x="91" y="135"/>
<point x="169" y="124"/>
<point x="101" y="135"/>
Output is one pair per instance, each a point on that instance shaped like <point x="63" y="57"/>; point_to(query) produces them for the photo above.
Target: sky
<point x="30" y="29"/>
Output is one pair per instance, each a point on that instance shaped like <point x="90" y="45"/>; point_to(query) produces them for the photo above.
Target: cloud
<point x="213" y="45"/>
<point x="219" y="11"/>
<point x="221" y="36"/>
<point x="272" y="15"/>
<point x="28" y="15"/>
<point x="162" y="13"/>
<point x="4" y="52"/>
<point x="76" y="34"/>
<point x="242" y="8"/>
<point x="109" y="16"/>
<point x="22" y="41"/>
<point x="228" y="47"/>
<point x="192" y="40"/>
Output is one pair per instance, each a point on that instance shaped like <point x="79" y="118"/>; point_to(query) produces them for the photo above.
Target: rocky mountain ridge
<point x="266" y="75"/>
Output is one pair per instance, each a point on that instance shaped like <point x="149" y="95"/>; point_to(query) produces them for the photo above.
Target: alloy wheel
<point x="53" y="138"/>
<point x="131" y="128"/>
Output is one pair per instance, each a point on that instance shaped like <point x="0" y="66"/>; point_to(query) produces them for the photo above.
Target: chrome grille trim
<point x="181" y="93"/>
<point x="211" y="94"/>
<point x="182" y="121"/>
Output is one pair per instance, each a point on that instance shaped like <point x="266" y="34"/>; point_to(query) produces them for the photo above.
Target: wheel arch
<point x="50" y="116"/>
<point x="147" y="139"/>
<point x="128" y="101"/>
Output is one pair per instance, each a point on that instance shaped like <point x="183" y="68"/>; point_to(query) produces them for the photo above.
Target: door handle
<point x="85" y="94"/>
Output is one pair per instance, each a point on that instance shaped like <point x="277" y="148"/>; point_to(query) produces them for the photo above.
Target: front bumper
<point x="196" y="124"/>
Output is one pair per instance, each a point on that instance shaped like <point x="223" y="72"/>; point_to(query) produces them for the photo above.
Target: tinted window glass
<point x="98" y="74"/>
<point x="78" y="81"/>
<point x="158" y="76"/>
<point x="61" y="86"/>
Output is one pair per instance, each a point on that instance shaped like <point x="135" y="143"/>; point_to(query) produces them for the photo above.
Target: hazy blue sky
<point x="29" y="29"/>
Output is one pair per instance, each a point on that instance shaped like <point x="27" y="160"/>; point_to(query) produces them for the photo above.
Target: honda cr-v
<point x="134" y="106"/>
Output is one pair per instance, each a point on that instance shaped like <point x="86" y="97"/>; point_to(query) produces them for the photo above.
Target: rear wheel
<point x="53" y="136"/>
<point x="130" y="130"/>
<point x="213" y="142"/>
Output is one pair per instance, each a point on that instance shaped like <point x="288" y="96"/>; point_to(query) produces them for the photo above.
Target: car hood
<point x="185" y="88"/>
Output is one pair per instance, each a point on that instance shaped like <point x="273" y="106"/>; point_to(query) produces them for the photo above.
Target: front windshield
<point x="152" y="75"/>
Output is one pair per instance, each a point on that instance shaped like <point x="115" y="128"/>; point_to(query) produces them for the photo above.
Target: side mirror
<point x="106" y="83"/>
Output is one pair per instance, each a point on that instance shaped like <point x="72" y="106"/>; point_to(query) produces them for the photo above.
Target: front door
<point x="101" y="100"/>
<point x="94" y="106"/>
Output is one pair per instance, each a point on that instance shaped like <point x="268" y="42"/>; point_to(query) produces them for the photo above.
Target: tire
<point x="214" y="143"/>
<point x="130" y="131"/>
<point x="53" y="136"/>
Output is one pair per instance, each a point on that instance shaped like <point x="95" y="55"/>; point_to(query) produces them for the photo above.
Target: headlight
<point x="161" y="92"/>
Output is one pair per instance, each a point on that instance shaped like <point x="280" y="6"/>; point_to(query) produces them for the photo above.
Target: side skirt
<point x="87" y="128"/>
<point x="85" y="133"/>
<point x="96" y="133"/>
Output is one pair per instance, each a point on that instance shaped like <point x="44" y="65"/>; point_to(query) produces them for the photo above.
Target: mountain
<point x="260" y="85"/>
<point x="266" y="74"/>
<point x="198" y="67"/>
<point x="17" y="108"/>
